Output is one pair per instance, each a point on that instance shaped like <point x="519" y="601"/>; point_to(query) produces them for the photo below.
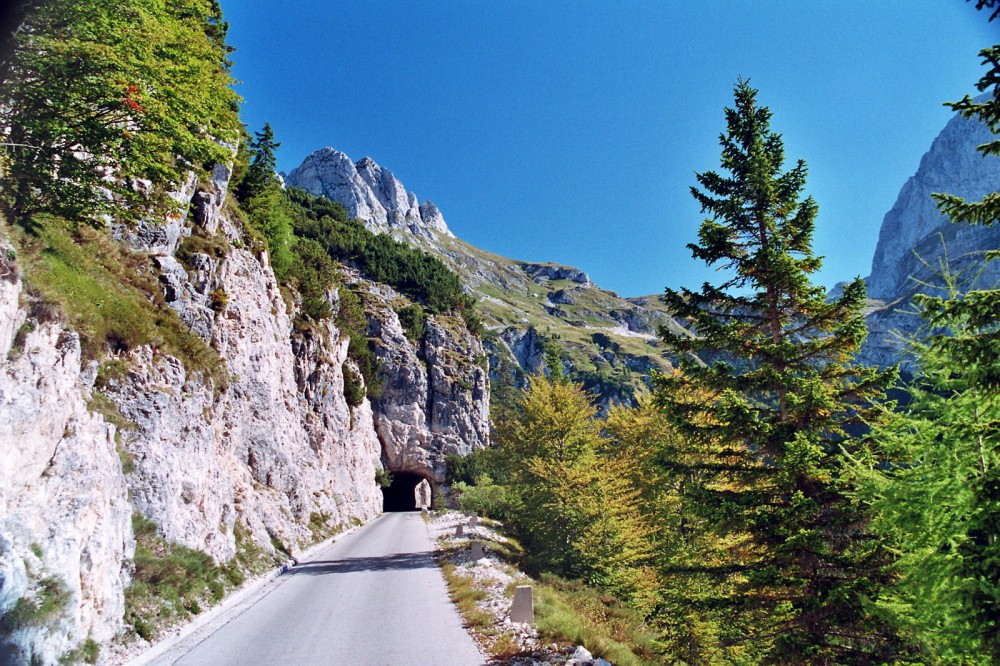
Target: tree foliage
<point x="769" y="358"/>
<point x="382" y="258"/>
<point x="934" y="479"/>
<point x="100" y="96"/>
<point x="579" y="515"/>
<point x="934" y="484"/>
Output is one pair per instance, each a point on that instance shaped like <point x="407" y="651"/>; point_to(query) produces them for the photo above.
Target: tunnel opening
<point x="401" y="494"/>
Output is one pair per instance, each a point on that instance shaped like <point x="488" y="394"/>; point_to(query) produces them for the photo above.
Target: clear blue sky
<point x="570" y="131"/>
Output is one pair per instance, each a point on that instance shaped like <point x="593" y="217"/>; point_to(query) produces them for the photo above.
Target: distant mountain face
<point x="368" y="192"/>
<point x="916" y="240"/>
<point x="607" y="342"/>
<point x="912" y="231"/>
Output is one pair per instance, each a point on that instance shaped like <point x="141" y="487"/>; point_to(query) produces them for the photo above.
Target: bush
<point x="354" y="389"/>
<point x="413" y="320"/>
<point x="485" y="499"/>
<point x="383" y="478"/>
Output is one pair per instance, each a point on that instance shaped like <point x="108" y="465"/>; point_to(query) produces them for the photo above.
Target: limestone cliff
<point x="916" y="240"/>
<point x="368" y="191"/>
<point x="265" y="445"/>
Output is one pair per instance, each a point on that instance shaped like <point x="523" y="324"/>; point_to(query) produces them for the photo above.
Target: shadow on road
<point x="421" y="560"/>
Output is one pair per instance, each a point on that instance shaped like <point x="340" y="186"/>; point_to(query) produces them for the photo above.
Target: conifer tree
<point x="261" y="172"/>
<point x="935" y="479"/>
<point x="771" y="356"/>
<point x="934" y="485"/>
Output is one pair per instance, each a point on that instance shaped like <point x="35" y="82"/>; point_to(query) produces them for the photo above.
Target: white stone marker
<point x="473" y="520"/>
<point x="523" y="608"/>
<point x="477" y="551"/>
<point x="459" y="531"/>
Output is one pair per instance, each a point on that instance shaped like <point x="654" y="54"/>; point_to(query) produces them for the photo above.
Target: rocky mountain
<point x="252" y="451"/>
<point x="916" y="240"/>
<point x="368" y="192"/>
<point x="605" y="341"/>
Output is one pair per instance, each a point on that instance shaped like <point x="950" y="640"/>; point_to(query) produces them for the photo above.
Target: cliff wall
<point x="262" y="450"/>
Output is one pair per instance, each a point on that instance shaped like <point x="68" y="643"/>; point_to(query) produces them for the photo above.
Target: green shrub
<point x="485" y="499"/>
<point x="218" y="299"/>
<point x="413" y="320"/>
<point x="43" y="609"/>
<point x="354" y="389"/>
<point x="383" y="477"/>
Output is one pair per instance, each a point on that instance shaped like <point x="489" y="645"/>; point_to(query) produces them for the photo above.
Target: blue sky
<point x="571" y="131"/>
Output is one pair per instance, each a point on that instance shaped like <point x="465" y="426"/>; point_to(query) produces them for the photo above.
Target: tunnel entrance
<point x="401" y="495"/>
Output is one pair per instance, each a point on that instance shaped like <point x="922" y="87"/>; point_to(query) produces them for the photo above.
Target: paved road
<point x="375" y="597"/>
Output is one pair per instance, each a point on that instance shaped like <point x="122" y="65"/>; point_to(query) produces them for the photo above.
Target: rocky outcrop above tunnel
<point x="434" y="397"/>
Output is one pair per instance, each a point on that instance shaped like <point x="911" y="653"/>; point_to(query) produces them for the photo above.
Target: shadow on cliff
<point x="421" y="560"/>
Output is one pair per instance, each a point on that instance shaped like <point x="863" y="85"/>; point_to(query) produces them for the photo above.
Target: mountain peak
<point x="370" y="192"/>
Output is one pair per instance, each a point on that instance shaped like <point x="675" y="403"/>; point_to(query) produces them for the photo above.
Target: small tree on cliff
<point x="771" y="355"/>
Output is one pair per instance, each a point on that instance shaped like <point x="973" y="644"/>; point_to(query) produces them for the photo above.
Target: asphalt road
<point x="375" y="597"/>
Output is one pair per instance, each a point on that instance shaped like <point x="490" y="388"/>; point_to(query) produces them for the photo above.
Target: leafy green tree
<point x="770" y="357"/>
<point x="933" y="481"/>
<point x="578" y="514"/>
<point x="100" y="96"/>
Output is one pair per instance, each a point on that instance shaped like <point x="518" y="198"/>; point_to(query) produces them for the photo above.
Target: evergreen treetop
<point x="771" y="357"/>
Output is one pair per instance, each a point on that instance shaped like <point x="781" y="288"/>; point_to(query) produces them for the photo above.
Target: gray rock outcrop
<point x="368" y="191"/>
<point x="916" y="242"/>
<point x="913" y="230"/>
<point x="434" y="398"/>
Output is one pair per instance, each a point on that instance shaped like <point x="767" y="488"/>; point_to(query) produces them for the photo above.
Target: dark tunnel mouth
<point x="400" y="495"/>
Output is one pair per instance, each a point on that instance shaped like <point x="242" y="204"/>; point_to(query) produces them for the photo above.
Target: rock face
<point x="369" y="192"/>
<point x="435" y="396"/>
<point x="520" y="301"/>
<point x="914" y="228"/>
<point x="65" y="519"/>
<point x="268" y="443"/>
<point x="915" y="239"/>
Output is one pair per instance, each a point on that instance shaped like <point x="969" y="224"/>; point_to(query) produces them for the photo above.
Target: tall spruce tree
<point x="772" y="356"/>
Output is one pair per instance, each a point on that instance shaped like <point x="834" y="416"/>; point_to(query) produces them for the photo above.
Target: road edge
<point x="179" y="634"/>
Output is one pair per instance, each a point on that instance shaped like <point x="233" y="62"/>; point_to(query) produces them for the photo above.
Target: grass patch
<point x="106" y="407"/>
<point x="110" y="295"/>
<point x="216" y="247"/>
<point x="86" y="652"/>
<point x="173" y="582"/>
<point x="466" y="596"/>
<point x="573" y="612"/>
<point x="321" y="527"/>
<point x="44" y="608"/>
